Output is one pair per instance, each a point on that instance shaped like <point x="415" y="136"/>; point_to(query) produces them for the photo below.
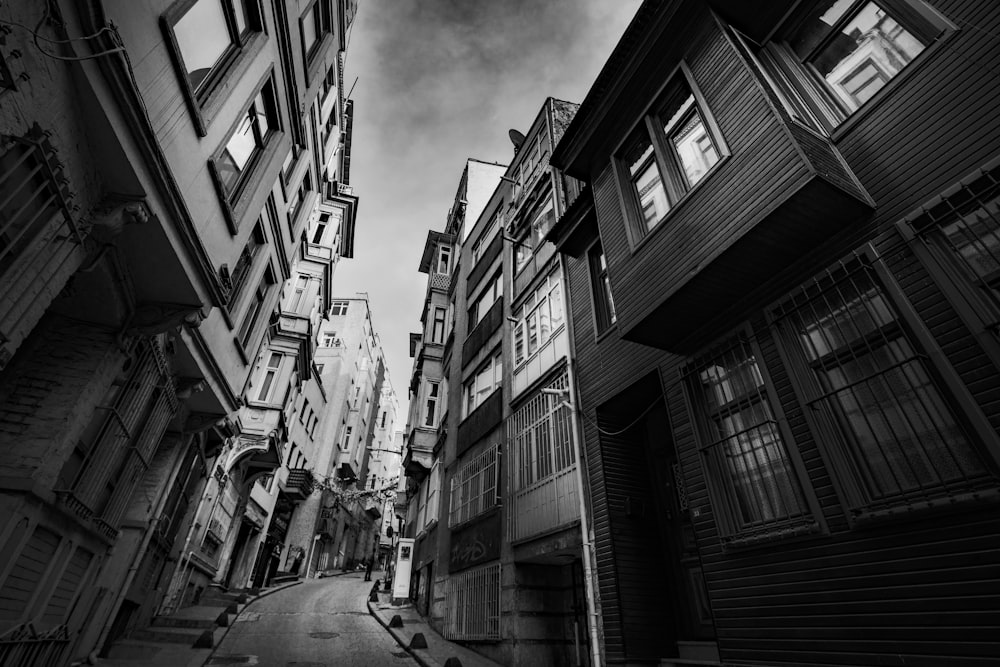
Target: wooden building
<point x="782" y="278"/>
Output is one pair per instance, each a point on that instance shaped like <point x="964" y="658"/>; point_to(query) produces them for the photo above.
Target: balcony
<point x="294" y="326"/>
<point x="440" y="282"/>
<point x="544" y="506"/>
<point x="318" y="252"/>
<point x="298" y="485"/>
<point x="420" y="453"/>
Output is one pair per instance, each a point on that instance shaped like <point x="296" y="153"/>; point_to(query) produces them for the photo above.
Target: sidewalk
<point x="438" y="650"/>
<point x="143" y="653"/>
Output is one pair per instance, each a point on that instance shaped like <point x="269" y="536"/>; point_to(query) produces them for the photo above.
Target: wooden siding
<point x="485" y="264"/>
<point x="483" y="333"/>
<point x="919" y="589"/>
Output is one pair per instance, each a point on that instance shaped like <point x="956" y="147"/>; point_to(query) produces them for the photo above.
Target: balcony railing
<point x="23" y="646"/>
<point x="545" y="505"/>
<point x="474" y="604"/>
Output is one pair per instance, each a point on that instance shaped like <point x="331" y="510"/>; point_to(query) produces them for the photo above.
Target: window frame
<point x="245" y="334"/>
<point x="658" y="130"/>
<point x="438" y="324"/>
<point x="722" y="492"/>
<point x="432" y="397"/>
<point x="479" y="307"/>
<point x="340" y="306"/>
<point x="269" y="377"/>
<point x="235" y="198"/>
<point x="322" y="23"/>
<point x="540" y="299"/>
<point x="601" y="300"/>
<point x="982" y="440"/>
<point x="206" y="101"/>
<point x="806" y="94"/>
<point x="470" y="392"/>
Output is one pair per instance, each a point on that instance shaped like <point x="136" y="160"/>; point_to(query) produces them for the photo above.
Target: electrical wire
<point x="633" y="422"/>
<point x="36" y="36"/>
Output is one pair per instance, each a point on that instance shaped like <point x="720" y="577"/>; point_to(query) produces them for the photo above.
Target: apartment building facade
<point x="780" y="285"/>
<point x="498" y="560"/>
<point x="166" y="170"/>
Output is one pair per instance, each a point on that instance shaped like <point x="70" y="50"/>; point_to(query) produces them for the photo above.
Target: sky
<point x="438" y="81"/>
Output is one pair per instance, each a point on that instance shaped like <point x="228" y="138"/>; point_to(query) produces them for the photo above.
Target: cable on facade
<point x="633" y="422"/>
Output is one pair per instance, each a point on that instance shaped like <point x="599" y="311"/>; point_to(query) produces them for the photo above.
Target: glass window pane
<point x="695" y="149"/>
<point x="309" y="36"/>
<point x="817" y="25"/>
<point x="241" y="15"/>
<point x="652" y="195"/>
<point x="868" y="51"/>
<point x="203" y="38"/>
<point x="260" y="111"/>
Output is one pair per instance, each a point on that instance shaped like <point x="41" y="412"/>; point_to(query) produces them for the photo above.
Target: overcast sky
<point x="439" y="81"/>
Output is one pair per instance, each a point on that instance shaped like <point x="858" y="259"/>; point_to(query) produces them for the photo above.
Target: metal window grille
<point x="542" y="465"/>
<point x="966" y="224"/>
<point x="899" y="443"/>
<point x="132" y="427"/>
<point x="744" y="452"/>
<point x="474" y="604"/>
<point x="33" y="192"/>
<point x="474" y="487"/>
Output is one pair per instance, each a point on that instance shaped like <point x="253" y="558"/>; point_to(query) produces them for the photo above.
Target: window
<point x="755" y="488"/>
<point x="382" y="421"/>
<point x="345" y="441"/>
<point x="473" y="604"/>
<point x="299" y="196"/>
<point x="667" y="155"/>
<point x="522" y="251"/>
<point x="242" y="150"/>
<point x="483" y="242"/>
<point x="437" y="326"/>
<point x="312" y="428"/>
<point x="287" y="165"/>
<point x="338" y="308"/>
<point x="250" y="318"/>
<point x="209" y="37"/>
<point x="241" y="270"/>
<point x="444" y="259"/>
<point x="313" y="23"/>
<point x="318" y="231"/>
<point x="538" y="318"/>
<point x="604" y="304"/>
<point x="304" y="410"/>
<point x="330" y="339"/>
<point x="298" y="293"/>
<point x="893" y="435"/>
<point x="30" y="197"/>
<point x="433" y="488"/>
<point x="269" y="377"/>
<point x="837" y="54"/>
<point x="432" y="390"/>
<point x="487" y="297"/>
<point x="474" y="487"/>
<point x="482" y="384"/>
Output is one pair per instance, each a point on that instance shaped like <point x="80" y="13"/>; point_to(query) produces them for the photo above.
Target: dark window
<point x="893" y="434"/>
<point x="313" y="24"/>
<point x="756" y="489"/>
<point x="338" y="308"/>
<point x="604" y="304"/>
<point x="836" y="55"/>
<point x="6" y="78"/>
<point x="252" y="316"/>
<point x="240" y="153"/>
<point x="241" y="270"/>
<point x="209" y="36"/>
<point x="667" y="155"/>
<point x="437" y="326"/>
<point x="299" y="196"/>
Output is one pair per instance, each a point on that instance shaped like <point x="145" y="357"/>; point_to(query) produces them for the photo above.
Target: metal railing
<point x="23" y="646"/>
<point x="474" y="604"/>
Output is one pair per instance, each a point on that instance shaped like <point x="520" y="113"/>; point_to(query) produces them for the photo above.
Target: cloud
<point x="440" y="81"/>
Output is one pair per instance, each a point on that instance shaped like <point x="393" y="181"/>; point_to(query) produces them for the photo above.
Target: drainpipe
<point x="577" y="435"/>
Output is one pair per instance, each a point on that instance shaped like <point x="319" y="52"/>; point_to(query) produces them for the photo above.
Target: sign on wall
<point x="475" y="544"/>
<point x="403" y="569"/>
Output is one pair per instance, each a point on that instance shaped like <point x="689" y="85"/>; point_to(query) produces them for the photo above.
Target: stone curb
<point x="228" y="627"/>
<point x="424" y="661"/>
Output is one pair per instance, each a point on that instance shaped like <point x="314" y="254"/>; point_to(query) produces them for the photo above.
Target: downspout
<point x="577" y="437"/>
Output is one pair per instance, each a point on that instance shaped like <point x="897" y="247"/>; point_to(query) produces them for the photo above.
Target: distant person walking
<point x="368" y="569"/>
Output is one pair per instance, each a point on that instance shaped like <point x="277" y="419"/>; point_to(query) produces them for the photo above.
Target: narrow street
<point x="320" y="623"/>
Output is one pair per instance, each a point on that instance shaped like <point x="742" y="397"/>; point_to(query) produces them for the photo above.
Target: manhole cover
<point x="229" y="660"/>
<point x="324" y="635"/>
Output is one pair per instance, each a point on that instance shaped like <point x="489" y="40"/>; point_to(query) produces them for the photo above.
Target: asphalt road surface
<point x="319" y="623"/>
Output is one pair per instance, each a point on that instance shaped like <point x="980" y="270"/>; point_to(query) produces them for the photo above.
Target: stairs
<point x="198" y="626"/>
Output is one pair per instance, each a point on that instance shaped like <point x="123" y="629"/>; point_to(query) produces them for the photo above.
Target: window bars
<point x="474" y="487"/>
<point x="542" y="465"/>
<point x="755" y="485"/>
<point x="474" y="604"/>
<point x="33" y="191"/>
<point x="894" y="438"/>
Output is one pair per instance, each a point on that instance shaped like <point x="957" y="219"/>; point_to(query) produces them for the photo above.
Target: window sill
<point x="768" y="538"/>
<point x="638" y="244"/>
<point x="869" y="517"/>
<point x="471" y="521"/>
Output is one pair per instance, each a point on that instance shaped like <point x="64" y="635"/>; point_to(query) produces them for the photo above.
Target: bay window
<point x="538" y="318"/>
<point x="432" y="396"/>
<point x="241" y="152"/>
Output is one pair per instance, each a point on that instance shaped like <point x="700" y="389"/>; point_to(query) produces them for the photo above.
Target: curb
<point x="424" y="661"/>
<point x="228" y="627"/>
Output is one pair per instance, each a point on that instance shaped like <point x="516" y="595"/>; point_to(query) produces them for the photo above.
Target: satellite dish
<point x="516" y="138"/>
